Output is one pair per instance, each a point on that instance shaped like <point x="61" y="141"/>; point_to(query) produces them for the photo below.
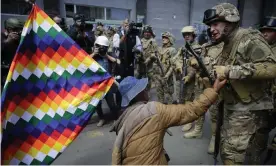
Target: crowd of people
<point x="240" y="62"/>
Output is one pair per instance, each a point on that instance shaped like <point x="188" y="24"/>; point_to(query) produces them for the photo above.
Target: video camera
<point x="134" y="28"/>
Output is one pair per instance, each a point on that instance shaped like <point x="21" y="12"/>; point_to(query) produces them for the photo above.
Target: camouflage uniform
<point x="165" y="87"/>
<point x="145" y="66"/>
<point x="178" y="64"/>
<point x="249" y="66"/>
<point x="178" y="61"/>
<point x="211" y="54"/>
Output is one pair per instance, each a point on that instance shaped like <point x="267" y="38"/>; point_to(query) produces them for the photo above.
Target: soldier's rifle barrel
<point x="204" y="72"/>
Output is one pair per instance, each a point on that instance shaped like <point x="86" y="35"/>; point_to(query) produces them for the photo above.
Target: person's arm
<point x="116" y="40"/>
<point x="138" y="44"/>
<point x="176" y="115"/>
<point x="262" y="62"/>
<point x="112" y="59"/>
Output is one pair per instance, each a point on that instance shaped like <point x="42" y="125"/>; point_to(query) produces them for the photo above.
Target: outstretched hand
<point x="219" y="84"/>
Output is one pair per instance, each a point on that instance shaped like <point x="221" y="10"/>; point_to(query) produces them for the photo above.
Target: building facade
<point x="163" y="15"/>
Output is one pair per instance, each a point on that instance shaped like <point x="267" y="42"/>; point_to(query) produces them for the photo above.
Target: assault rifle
<point x="184" y="73"/>
<point x="205" y="73"/>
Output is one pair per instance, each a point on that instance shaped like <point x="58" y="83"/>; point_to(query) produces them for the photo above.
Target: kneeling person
<point x="141" y="128"/>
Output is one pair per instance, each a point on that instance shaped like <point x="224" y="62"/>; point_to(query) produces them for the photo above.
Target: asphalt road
<point x="94" y="146"/>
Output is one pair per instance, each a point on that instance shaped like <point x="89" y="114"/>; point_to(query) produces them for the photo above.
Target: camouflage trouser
<point x="164" y="93"/>
<point x="177" y="91"/>
<point x="188" y="93"/>
<point x="197" y="92"/>
<point x="149" y="75"/>
<point x="213" y="117"/>
<point x="243" y="136"/>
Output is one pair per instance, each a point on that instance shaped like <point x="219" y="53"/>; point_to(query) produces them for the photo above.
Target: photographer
<point x="130" y="44"/>
<point x="9" y="43"/>
<point x="85" y="39"/>
<point x="60" y="22"/>
<point x="100" y="55"/>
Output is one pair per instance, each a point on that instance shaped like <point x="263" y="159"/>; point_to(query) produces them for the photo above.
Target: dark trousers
<point x="111" y="104"/>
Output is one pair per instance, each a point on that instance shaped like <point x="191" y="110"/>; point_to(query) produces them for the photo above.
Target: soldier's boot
<point x="187" y="127"/>
<point x="197" y="132"/>
<point x="211" y="147"/>
<point x="230" y="162"/>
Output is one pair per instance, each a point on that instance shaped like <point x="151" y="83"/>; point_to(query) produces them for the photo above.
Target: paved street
<point x="94" y="146"/>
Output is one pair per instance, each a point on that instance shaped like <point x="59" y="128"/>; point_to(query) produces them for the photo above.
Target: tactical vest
<point x="247" y="90"/>
<point x="165" y="56"/>
<point x="149" y="47"/>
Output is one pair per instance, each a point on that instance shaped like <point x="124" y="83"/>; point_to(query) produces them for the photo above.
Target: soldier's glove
<point x="179" y="70"/>
<point x="135" y="50"/>
<point x="194" y="63"/>
<point x="206" y="82"/>
<point x="221" y="72"/>
<point x="165" y="78"/>
<point x="186" y="79"/>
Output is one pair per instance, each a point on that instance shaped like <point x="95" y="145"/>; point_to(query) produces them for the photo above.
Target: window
<point x="15" y="7"/>
<point x="51" y="7"/>
<point x="116" y="14"/>
<point x="91" y="11"/>
<point x="69" y="8"/>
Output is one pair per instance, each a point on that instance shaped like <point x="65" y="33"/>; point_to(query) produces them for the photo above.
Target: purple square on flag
<point x="48" y="130"/>
<point x="59" y="38"/>
<point x="28" y="86"/>
<point x="41" y="126"/>
<point x="66" y="44"/>
<point x="40" y="84"/>
<point x="53" y="124"/>
<point x="64" y="122"/>
<point x="36" y="133"/>
<point x="54" y="45"/>
<point x="71" y="126"/>
<point x="60" y="128"/>
<point x="42" y="46"/>
<point x="47" y="38"/>
<point x="68" y="87"/>
<point x="78" y="85"/>
<point x="36" y="40"/>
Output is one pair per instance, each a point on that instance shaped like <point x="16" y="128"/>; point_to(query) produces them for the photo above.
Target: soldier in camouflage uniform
<point x="188" y="33"/>
<point x="210" y="53"/>
<point x="249" y="64"/>
<point x="164" y="83"/>
<point x="268" y="30"/>
<point x="147" y="57"/>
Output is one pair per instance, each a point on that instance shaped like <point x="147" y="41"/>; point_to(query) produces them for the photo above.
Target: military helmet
<point x="13" y="23"/>
<point x="148" y="28"/>
<point x="188" y="29"/>
<point x="222" y="12"/>
<point x="269" y="23"/>
<point x="169" y="36"/>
